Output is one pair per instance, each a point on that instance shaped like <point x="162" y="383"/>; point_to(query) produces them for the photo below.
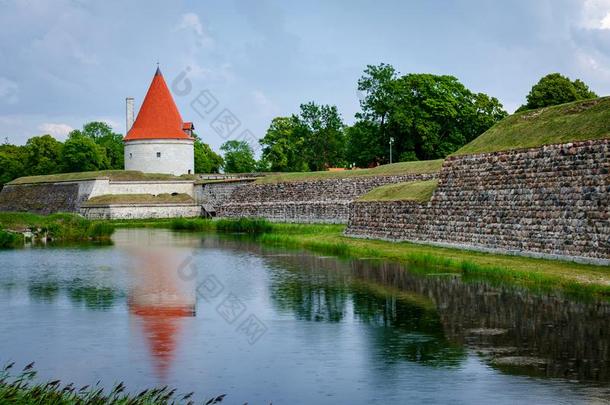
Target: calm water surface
<point x="219" y="315"/>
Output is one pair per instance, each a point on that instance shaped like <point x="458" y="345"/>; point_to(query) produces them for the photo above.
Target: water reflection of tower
<point x="160" y="299"/>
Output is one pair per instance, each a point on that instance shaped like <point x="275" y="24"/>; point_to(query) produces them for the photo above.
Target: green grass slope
<point x="419" y="191"/>
<point x="116" y="175"/>
<point x="577" y="121"/>
<point x="417" y="167"/>
<point x="139" y="199"/>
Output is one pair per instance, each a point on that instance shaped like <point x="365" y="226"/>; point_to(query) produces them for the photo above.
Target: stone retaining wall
<point x="68" y="196"/>
<point x="140" y="211"/>
<point x="215" y="193"/>
<point x="311" y="201"/>
<point x="42" y="198"/>
<point x="551" y="201"/>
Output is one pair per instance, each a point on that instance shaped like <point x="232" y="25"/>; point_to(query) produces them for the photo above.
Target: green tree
<point x="323" y="136"/>
<point x="238" y="157"/>
<point x="376" y="88"/>
<point x="428" y="116"/>
<point x="102" y="135"/>
<point x="283" y="146"/>
<point x="12" y="162"/>
<point x="43" y="155"/>
<point x="206" y="160"/>
<point x="554" y="89"/>
<point x="364" y="144"/>
<point x="81" y="154"/>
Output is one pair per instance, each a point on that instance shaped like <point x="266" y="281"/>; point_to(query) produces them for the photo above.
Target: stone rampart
<point x="45" y="198"/>
<point x="310" y="201"/>
<point x="551" y="201"/>
<point x="140" y="211"/>
<point x="213" y="194"/>
<point x="69" y="196"/>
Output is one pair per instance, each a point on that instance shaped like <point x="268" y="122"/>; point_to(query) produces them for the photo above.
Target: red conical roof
<point x="159" y="117"/>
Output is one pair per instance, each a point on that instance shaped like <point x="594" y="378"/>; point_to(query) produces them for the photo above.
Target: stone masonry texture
<point x="310" y="201"/>
<point x="552" y="200"/>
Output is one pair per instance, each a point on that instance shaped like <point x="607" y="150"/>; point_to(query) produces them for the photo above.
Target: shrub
<point x="244" y="225"/>
<point x="10" y="239"/>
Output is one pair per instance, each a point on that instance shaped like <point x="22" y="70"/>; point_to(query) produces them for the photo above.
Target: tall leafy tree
<point x="43" y="155"/>
<point x="101" y="133"/>
<point x="283" y="146"/>
<point x="427" y="116"/>
<point x="81" y="154"/>
<point x="365" y="146"/>
<point x="206" y="160"/>
<point x="554" y="89"/>
<point x="323" y="136"/>
<point x="238" y="157"/>
<point x="12" y="162"/>
<point x="312" y="140"/>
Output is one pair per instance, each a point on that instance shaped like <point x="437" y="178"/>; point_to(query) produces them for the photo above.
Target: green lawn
<point x="577" y="121"/>
<point x="139" y="199"/>
<point x="394" y="169"/>
<point x="116" y="175"/>
<point x="419" y="191"/>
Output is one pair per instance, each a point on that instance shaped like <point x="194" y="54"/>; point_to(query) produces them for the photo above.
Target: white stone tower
<point x="159" y="141"/>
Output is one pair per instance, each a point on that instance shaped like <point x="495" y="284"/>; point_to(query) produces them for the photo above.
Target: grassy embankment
<point x="115" y="175"/>
<point x="418" y="191"/>
<point x="577" y="121"/>
<point x="55" y="227"/>
<point x="548" y="275"/>
<point x="394" y="169"/>
<point x="21" y="389"/>
<point x="139" y="199"/>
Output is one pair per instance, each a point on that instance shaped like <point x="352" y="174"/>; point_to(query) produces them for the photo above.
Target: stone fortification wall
<point x="68" y="196"/>
<point x="551" y="201"/>
<point x="311" y="201"/>
<point x="140" y="211"/>
<point x="45" y="198"/>
<point x="214" y="194"/>
<point x="42" y="199"/>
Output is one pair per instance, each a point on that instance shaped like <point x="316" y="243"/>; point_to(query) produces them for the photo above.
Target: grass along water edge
<point x="22" y="389"/>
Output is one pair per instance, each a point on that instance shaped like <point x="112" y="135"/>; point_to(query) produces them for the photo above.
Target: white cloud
<point x="596" y="14"/>
<point x="605" y="22"/>
<point x="57" y="130"/>
<point x="9" y="91"/>
<point x="191" y="22"/>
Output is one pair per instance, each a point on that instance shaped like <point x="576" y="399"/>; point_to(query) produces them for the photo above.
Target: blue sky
<point x="64" y="63"/>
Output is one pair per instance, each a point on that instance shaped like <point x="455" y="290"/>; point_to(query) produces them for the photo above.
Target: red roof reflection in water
<point x="161" y="301"/>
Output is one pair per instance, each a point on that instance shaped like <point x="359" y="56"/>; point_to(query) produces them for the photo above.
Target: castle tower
<point x="159" y="141"/>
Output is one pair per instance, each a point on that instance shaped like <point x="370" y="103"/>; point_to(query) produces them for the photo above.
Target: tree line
<point x="415" y="116"/>
<point x="402" y="117"/>
<point x="92" y="148"/>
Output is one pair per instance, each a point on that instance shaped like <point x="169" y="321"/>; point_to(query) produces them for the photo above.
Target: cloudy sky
<point x="64" y="63"/>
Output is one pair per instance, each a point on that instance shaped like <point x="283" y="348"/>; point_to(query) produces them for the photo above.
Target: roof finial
<point x="158" y="72"/>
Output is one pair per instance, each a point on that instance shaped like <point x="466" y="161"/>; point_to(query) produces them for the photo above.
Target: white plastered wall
<point x="172" y="156"/>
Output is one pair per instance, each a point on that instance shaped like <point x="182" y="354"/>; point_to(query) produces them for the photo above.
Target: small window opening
<point x="158" y="154"/>
<point x="189" y="171"/>
<point x="130" y="155"/>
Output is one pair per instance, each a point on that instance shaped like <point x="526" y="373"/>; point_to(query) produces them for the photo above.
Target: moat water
<point x="223" y="315"/>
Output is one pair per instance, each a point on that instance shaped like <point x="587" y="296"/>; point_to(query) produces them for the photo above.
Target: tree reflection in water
<point x="433" y="319"/>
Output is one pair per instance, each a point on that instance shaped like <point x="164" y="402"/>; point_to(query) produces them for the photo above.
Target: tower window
<point x="158" y="154"/>
<point x="130" y="155"/>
